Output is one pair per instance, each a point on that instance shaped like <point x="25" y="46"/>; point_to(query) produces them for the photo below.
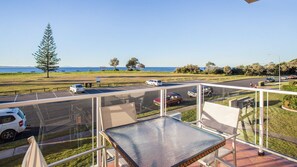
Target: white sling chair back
<point x="223" y="120"/>
<point x="117" y="115"/>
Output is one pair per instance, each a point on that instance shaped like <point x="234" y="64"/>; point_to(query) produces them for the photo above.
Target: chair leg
<point x="104" y="157"/>
<point x="216" y="156"/>
<point x="234" y="151"/>
<point x="116" y="159"/>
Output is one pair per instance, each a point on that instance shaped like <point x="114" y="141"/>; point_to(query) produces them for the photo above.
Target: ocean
<point x="78" y="69"/>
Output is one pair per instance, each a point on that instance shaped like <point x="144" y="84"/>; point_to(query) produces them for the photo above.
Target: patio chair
<point x="222" y="120"/>
<point x="117" y="115"/>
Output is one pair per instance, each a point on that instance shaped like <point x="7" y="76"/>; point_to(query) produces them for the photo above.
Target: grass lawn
<point x="25" y="81"/>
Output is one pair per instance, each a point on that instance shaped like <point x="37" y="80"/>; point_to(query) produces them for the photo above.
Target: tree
<point x="227" y="70"/>
<point x="114" y="62"/>
<point x="257" y="69"/>
<point x="284" y="68"/>
<point x="271" y="69"/>
<point x="190" y="68"/>
<point x="140" y="65"/>
<point x="131" y="64"/>
<point x="238" y="70"/>
<point x="46" y="56"/>
<point x="210" y="67"/>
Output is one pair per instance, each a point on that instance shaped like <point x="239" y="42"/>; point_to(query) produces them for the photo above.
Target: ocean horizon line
<point x="30" y="69"/>
<point x="87" y="66"/>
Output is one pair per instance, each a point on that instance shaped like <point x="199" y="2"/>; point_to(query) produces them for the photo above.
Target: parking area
<point x="37" y="96"/>
<point x="64" y="93"/>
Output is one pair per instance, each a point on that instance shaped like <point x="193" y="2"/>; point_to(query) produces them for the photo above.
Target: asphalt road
<point x="73" y="116"/>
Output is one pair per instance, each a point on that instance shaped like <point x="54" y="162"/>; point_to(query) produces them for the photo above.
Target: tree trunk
<point x="47" y="74"/>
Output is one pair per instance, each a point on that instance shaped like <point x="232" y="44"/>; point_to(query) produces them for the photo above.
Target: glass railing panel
<point x="61" y="129"/>
<point x="144" y="102"/>
<point x="247" y="101"/>
<point x="280" y="123"/>
<point x="181" y="102"/>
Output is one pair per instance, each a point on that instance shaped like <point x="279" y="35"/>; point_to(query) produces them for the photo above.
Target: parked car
<point x="77" y="88"/>
<point x="292" y="77"/>
<point x="171" y="98"/>
<point x="154" y="82"/>
<point x="207" y="91"/>
<point x="270" y="79"/>
<point x="12" y="121"/>
<point x="284" y="78"/>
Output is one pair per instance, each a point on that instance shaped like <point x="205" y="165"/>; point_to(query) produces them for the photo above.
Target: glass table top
<point x="162" y="141"/>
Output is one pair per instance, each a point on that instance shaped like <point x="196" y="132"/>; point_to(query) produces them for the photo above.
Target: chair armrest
<point x="231" y="136"/>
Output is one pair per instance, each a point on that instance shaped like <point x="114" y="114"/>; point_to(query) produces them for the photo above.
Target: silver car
<point x="12" y="121"/>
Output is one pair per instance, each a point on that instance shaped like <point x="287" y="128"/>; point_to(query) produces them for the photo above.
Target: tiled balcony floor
<point x="247" y="156"/>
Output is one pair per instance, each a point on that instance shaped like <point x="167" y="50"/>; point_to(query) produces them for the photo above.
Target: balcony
<point x="67" y="126"/>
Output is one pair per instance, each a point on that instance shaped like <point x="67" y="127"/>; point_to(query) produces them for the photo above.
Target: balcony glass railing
<point x="67" y="126"/>
<point x="265" y="121"/>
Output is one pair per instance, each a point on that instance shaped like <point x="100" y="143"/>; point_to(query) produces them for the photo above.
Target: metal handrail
<point x="89" y="96"/>
<point x="250" y="89"/>
<point x="74" y="156"/>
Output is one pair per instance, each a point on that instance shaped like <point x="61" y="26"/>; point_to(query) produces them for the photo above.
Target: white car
<point x="154" y="82"/>
<point x="77" y="88"/>
<point x="207" y="91"/>
<point x="12" y="121"/>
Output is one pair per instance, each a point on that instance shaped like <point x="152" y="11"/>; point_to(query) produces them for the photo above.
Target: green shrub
<point x="290" y="101"/>
<point x="293" y="83"/>
<point x="190" y="68"/>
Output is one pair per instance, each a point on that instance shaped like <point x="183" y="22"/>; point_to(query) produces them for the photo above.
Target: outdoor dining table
<point x="162" y="141"/>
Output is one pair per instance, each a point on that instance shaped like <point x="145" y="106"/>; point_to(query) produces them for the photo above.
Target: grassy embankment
<point x="24" y="81"/>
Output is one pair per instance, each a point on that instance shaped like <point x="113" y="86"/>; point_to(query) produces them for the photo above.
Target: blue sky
<point x="157" y="32"/>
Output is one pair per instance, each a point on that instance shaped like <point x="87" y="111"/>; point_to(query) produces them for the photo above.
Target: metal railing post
<point x="165" y="101"/>
<point x="261" y="125"/>
<point x="98" y="128"/>
<point x="199" y="102"/>
<point x="93" y="128"/>
<point x="162" y="102"/>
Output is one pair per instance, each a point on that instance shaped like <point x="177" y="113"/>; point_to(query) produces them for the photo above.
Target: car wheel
<point x="8" y="134"/>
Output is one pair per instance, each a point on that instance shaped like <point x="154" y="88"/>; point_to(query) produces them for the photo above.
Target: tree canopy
<point x="286" y="68"/>
<point x="210" y="67"/>
<point x="132" y="63"/>
<point x="140" y="65"/>
<point x="227" y="70"/>
<point x="114" y="62"/>
<point x="46" y="56"/>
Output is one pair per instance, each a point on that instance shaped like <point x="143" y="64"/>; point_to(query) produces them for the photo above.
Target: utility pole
<point x="279" y="74"/>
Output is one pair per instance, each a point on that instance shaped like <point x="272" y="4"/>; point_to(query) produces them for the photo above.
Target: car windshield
<point x="159" y="81"/>
<point x="21" y="114"/>
<point x="79" y="86"/>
